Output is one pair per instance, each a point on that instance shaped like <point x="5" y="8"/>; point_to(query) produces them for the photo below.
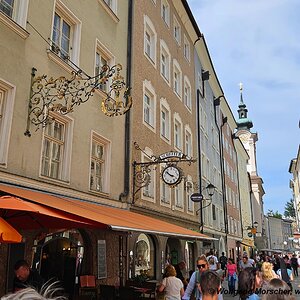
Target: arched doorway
<point x="58" y="257"/>
<point x="173" y="252"/>
<point x="145" y="258"/>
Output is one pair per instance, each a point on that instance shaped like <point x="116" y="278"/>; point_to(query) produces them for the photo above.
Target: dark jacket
<point x="34" y="280"/>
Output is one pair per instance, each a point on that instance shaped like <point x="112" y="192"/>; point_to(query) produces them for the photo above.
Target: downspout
<point x="217" y="103"/>
<point x="238" y="184"/>
<point x="199" y="160"/>
<point x="124" y="194"/>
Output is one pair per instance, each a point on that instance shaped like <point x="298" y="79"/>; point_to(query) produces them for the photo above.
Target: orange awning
<point x="8" y="234"/>
<point x="115" y="218"/>
<point x="23" y="214"/>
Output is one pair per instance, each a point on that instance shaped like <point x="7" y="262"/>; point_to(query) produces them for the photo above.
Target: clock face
<point x="171" y="175"/>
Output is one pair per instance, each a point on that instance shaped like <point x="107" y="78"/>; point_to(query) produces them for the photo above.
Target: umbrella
<point x="23" y="214"/>
<point x="8" y="234"/>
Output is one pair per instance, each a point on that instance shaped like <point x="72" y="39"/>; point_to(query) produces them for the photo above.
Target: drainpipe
<point x="217" y="103"/>
<point x="124" y="194"/>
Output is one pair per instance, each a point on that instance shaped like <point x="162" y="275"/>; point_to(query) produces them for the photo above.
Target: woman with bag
<point x="231" y="275"/>
<point x="171" y="285"/>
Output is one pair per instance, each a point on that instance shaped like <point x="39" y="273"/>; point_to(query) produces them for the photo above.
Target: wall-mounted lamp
<point x="205" y="75"/>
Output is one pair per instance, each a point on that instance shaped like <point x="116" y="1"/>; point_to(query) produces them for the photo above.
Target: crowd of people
<point x="262" y="277"/>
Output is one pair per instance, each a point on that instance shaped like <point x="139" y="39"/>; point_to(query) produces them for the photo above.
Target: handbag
<point x="161" y="295"/>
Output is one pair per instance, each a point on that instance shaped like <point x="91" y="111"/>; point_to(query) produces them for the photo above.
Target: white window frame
<point x="112" y="4"/>
<point x="19" y="16"/>
<point x="178" y="196"/>
<point x="177" y="79"/>
<point x="95" y="137"/>
<point x="176" y="30"/>
<point x="109" y="57"/>
<point x="164" y="187"/>
<point x="165" y="67"/>
<point x="149" y="192"/>
<point x="148" y="90"/>
<point x="187" y="93"/>
<point x="150" y="45"/>
<point x="164" y="106"/>
<point x="165" y="17"/>
<point x="65" y="168"/>
<point x="200" y="83"/>
<point x="186" y="49"/>
<point x="178" y="140"/>
<point x="189" y="189"/>
<point x="7" y="99"/>
<point x="188" y="144"/>
<point x="75" y="34"/>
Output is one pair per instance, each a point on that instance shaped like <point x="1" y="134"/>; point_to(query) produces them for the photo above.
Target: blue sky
<point x="257" y="43"/>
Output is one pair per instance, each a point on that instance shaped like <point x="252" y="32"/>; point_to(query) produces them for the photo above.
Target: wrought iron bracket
<point x="142" y="170"/>
<point x="62" y="95"/>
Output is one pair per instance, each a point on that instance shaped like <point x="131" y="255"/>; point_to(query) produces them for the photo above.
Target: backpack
<point x="195" y="291"/>
<point x="211" y="260"/>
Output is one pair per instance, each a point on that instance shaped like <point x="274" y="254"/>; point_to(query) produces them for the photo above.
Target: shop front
<point x="65" y="239"/>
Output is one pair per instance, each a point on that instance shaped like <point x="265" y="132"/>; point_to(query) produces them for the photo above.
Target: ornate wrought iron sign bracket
<point x="172" y="174"/>
<point x="62" y="95"/>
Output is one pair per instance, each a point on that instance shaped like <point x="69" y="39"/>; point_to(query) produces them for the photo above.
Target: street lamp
<point x="199" y="197"/>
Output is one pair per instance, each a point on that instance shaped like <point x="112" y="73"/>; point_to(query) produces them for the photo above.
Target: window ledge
<point x="54" y="57"/>
<point x="50" y="179"/>
<point x="150" y="60"/>
<point x="19" y="30"/>
<point x="109" y="11"/>
<point x="167" y="140"/>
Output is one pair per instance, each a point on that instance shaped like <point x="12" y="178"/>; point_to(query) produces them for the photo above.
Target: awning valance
<point x="90" y="213"/>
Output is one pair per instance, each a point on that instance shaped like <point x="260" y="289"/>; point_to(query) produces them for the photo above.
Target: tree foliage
<point x="289" y="209"/>
<point x="273" y="214"/>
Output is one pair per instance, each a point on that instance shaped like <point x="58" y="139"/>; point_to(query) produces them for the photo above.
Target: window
<point x="189" y="192"/>
<point x="165" y="11"/>
<point x="178" y="190"/>
<point x="177" y="78"/>
<point x="177" y="31"/>
<point x="177" y="133"/>
<point x="149" y="103"/>
<point x="150" y="38"/>
<point x="187" y="49"/>
<point x="165" y="191"/>
<point x="165" y="120"/>
<point x="65" y="34"/>
<point x="188" y="142"/>
<point x="100" y="156"/>
<point x="187" y="93"/>
<point x="103" y="57"/>
<point x="112" y="4"/>
<point x="56" y="153"/>
<point x="148" y="192"/>
<point x="7" y="97"/>
<point x="214" y="212"/>
<point x="16" y="10"/>
<point x="165" y="60"/>
<point x="200" y="83"/>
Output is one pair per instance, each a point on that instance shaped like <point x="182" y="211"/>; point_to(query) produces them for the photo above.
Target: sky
<point x="257" y="43"/>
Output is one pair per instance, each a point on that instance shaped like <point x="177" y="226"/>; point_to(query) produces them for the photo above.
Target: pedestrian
<point x="231" y="275"/>
<point x="192" y="290"/>
<point x="210" y="285"/>
<point x="267" y="273"/>
<point x="277" y="290"/>
<point x="26" y="277"/>
<point x="244" y="263"/>
<point x="223" y="261"/>
<point x="285" y="273"/>
<point x="212" y="261"/>
<point x="171" y="285"/>
<point x="248" y="281"/>
<point x="294" y="264"/>
<point x="179" y="267"/>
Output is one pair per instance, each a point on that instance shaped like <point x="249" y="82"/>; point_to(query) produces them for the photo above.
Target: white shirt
<point x="214" y="266"/>
<point x="173" y="285"/>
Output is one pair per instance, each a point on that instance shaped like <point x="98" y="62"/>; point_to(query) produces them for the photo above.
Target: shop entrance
<point x="60" y="257"/>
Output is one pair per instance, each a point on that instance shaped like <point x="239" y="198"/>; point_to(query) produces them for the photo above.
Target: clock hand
<point x="170" y="174"/>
